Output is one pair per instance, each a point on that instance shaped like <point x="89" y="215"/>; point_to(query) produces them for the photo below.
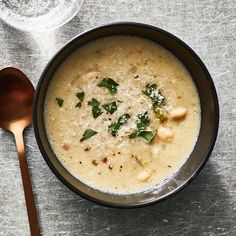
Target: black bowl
<point x="209" y="116"/>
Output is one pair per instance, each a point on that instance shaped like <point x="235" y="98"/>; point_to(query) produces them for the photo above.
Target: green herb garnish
<point x="59" y="101"/>
<point x="94" y="102"/>
<point x="88" y="133"/>
<point x="147" y="135"/>
<point x="80" y="96"/>
<point x="114" y="127"/>
<point x="150" y="89"/>
<point x="78" y="105"/>
<point x="110" y="84"/>
<point x="96" y="110"/>
<point x="142" y="123"/>
<point x="110" y="107"/>
<point x="156" y="97"/>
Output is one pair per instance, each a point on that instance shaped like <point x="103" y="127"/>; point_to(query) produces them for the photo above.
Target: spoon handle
<point x="29" y="197"/>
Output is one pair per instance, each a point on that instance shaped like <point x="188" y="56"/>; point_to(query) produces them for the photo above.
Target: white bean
<point x="165" y="133"/>
<point x="178" y="113"/>
<point x="144" y="175"/>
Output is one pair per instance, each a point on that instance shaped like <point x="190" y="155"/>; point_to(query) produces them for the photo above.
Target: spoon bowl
<point x="16" y="93"/>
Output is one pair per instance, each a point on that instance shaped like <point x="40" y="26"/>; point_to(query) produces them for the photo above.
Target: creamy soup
<point x="122" y="114"/>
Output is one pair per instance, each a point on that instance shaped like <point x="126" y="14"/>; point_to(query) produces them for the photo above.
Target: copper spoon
<point x="16" y="100"/>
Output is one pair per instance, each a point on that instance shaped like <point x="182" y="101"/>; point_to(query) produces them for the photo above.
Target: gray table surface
<point x="207" y="206"/>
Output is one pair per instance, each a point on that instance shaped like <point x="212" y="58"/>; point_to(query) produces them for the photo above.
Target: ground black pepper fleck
<point x="95" y="162"/>
<point x="87" y="149"/>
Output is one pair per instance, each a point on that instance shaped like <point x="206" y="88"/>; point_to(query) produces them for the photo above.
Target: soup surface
<point x="122" y="114"/>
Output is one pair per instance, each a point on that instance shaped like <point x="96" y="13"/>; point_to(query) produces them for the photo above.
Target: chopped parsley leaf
<point x="88" y="133"/>
<point x="150" y="89"/>
<point x="156" y="97"/>
<point x="114" y="127"/>
<point x="110" y="107"/>
<point x="96" y="110"/>
<point x="94" y="102"/>
<point x="78" y="105"/>
<point x="123" y="118"/>
<point x="80" y="96"/>
<point x="147" y="135"/>
<point x="143" y="121"/>
<point x="59" y="102"/>
<point x="110" y="84"/>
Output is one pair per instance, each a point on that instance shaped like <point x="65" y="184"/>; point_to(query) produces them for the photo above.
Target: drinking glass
<point x="38" y="15"/>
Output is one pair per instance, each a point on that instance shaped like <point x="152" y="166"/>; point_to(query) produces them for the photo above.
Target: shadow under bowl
<point x="209" y="116"/>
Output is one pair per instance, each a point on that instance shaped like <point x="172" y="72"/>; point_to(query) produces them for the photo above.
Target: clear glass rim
<point x="34" y="28"/>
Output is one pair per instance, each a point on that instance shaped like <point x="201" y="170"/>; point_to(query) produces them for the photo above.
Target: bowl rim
<point x="197" y="170"/>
